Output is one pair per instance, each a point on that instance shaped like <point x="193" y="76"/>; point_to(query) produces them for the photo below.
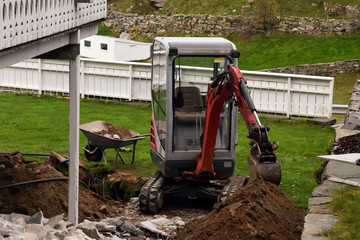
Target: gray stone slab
<point x="348" y="181"/>
<point x="320" y="209"/>
<point x="315" y="224"/>
<point x="316" y="201"/>
<point x="340" y="170"/>
<point x="326" y="188"/>
<point x="352" y="158"/>
<point x="340" y="133"/>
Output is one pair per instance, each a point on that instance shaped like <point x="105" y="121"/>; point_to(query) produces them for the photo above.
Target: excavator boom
<point x="262" y="161"/>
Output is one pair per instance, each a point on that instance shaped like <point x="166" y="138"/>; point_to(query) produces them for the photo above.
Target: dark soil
<point x="50" y="197"/>
<point x="260" y="210"/>
<point x="349" y="144"/>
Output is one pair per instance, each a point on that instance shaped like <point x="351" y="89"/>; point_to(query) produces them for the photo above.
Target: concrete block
<point x="316" y="224"/>
<point x="320" y="209"/>
<point x="316" y="201"/>
<point x="340" y="170"/>
<point x="326" y="188"/>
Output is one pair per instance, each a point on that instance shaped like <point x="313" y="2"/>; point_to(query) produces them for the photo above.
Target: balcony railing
<point x="23" y="21"/>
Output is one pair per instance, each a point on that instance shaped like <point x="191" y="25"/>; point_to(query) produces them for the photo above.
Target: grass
<point x="345" y="204"/>
<point x="40" y="124"/>
<point x="344" y="86"/>
<point x="280" y="50"/>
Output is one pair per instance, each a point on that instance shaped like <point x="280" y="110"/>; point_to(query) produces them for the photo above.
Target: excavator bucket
<point x="268" y="171"/>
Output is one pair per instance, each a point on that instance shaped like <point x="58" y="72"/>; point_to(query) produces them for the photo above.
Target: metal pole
<point x="74" y="117"/>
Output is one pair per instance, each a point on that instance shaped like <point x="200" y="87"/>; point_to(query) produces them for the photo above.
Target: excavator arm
<point x="262" y="161"/>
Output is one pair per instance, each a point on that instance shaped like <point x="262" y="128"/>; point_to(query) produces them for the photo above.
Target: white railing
<point x="288" y="94"/>
<point x="23" y="21"/>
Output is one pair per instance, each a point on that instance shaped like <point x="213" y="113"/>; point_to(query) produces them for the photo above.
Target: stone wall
<point x="152" y="24"/>
<point x="352" y="117"/>
<point x="319" y="69"/>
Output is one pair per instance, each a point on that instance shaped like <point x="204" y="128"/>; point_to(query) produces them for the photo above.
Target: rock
<point x="326" y="188"/>
<point x="90" y="230"/>
<point x="103" y="209"/>
<point x="37" y="218"/>
<point x="340" y="170"/>
<point x="8" y="228"/>
<point x="117" y="222"/>
<point x="52" y="222"/>
<point x="23" y="236"/>
<point x="103" y="227"/>
<point x="317" y="224"/>
<point x="39" y="230"/>
<point x="130" y="228"/>
<point x="18" y="215"/>
<point x="149" y="226"/>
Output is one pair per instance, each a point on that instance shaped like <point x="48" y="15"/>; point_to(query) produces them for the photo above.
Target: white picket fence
<point x="287" y="94"/>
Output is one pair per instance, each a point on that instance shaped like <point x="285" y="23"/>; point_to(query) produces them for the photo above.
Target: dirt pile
<point x="260" y="210"/>
<point x="50" y="197"/>
<point x="349" y="144"/>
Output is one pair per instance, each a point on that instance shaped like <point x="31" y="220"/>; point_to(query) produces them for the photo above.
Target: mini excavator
<point x="194" y="123"/>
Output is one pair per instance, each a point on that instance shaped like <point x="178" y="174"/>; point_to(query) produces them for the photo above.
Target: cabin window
<point x="104" y="46"/>
<point x="87" y="43"/>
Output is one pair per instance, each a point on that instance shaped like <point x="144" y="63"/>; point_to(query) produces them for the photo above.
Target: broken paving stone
<point x="149" y="226"/>
<point x="8" y="228"/>
<point x="90" y="230"/>
<point x="103" y="227"/>
<point x="316" y="201"/>
<point x="24" y="236"/>
<point x="37" y="218"/>
<point x="326" y="188"/>
<point x="52" y="222"/>
<point x="19" y="215"/>
<point x="130" y="228"/>
<point x="39" y="230"/>
<point x="117" y="222"/>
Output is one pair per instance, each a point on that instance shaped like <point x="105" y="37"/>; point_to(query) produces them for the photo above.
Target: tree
<point x="266" y="13"/>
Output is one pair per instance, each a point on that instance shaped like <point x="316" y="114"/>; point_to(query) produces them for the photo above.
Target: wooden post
<point x="74" y="118"/>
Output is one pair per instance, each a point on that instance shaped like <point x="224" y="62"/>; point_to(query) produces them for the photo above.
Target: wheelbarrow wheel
<point x="93" y="153"/>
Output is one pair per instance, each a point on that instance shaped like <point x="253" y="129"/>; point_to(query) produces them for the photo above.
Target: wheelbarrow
<point x="99" y="138"/>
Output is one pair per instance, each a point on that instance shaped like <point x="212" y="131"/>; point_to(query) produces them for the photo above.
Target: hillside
<point x="302" y="8"/>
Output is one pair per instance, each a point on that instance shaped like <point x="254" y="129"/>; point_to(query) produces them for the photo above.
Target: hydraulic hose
<point x="37" y="181"/>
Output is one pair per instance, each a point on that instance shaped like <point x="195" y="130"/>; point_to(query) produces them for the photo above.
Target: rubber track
<point x="233" y="184"/>
<point x="149" y="192"/>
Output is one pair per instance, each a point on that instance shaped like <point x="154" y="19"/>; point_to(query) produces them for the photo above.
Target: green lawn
<point x="280" y="50"/>
<point x="40" y="124"/>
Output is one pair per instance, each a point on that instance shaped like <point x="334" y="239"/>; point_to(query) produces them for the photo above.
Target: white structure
<point x="287" y="94"/>
<point x="114" y="49"/>
<point x="52" y="29"/>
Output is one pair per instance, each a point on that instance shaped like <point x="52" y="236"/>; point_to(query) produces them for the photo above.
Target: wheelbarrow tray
<point x="90" y="130"/>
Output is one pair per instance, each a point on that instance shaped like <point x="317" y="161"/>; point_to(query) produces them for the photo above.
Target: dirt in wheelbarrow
<point x="50" y="197"/>
<point x="117" y="132"/>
